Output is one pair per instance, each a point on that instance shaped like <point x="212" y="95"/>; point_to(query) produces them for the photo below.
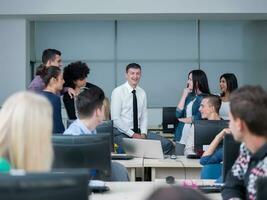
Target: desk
<point x="159" y="130"/>
<point x="135" y="191"/>
<point x="180" y="168"/>
<point x="131" y="165"/>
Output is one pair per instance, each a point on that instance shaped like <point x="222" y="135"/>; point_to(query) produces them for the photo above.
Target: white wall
<point x="13" y="56"/>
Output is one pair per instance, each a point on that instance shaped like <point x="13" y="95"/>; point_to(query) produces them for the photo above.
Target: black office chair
<point x="261" y="186"/>
<point x="44" y="186"/>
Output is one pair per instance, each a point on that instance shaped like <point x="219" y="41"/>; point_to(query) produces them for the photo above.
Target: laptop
<point x="143" y="148"/>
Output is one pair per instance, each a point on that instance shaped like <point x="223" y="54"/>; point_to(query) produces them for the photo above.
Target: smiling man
<point x="129" y="110"/>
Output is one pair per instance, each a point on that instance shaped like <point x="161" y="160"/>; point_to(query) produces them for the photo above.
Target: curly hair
<point x="75" y="71"/>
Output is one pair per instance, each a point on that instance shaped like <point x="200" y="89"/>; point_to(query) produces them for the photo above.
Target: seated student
<point x="25" y="133"/>
<point x="176" y="193"/>
<point x="75" y="75"/>
<point x="89" y="104"/>
<point x="53" y="79"/>
<point x="248" y="116"/>
<point x="209" y="109"/>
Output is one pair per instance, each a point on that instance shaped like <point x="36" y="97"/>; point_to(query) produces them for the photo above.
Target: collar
<point x="129" y="88"/>
<point x="261" y="153"/>
<point x="85" y="130"/>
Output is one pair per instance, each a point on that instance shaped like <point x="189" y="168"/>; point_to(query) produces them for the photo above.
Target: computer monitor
<point x="169" y="120"/>
<point x="205" y="131"/>
<point x="107" y="127"/>
<point x="261" y="186"/>
<point x="104" y="127"/>
<point x="83" y="151"/>
<point x="230" y="153"/>
<point x="43" y="186"/>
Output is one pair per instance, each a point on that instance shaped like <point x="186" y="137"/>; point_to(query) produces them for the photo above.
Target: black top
<point x="55" y="101"/>
<point x="69" y="102"/>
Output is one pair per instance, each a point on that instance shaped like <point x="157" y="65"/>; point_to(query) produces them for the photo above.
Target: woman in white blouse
<point x="228" y="83"/>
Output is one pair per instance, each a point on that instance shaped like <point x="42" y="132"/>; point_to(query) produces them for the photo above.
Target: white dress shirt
<point x="122" y="108"/>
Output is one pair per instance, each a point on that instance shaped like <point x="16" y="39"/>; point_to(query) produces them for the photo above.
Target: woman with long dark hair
<point x="188" y="106"/>
<point x="228" y="83"/>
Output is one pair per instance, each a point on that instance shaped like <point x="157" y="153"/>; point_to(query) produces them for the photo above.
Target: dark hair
<point x="133" y="65"/>
<point x="249" y="103"/>
<point x="176" y="193"/>
<point x="200" y="81"/>
<point x="231" y="82"/>
<point x="88" y="101"/>
<point x="75" y="71"/>
<point x="214" y="101"/>
<point x="48" y="73"/>
<point x="49" y="54"/>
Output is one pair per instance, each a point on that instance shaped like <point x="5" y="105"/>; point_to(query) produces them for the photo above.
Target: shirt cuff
<point x="130" y="133"/>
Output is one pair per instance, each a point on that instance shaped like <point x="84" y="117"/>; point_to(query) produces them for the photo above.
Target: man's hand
<point x="139" y="136"/>
<point x="71" y="92"/>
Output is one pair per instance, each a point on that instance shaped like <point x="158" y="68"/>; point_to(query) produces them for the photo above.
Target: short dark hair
<point x="49" y="54"/>
<point x="231" y="82"/>
<point x="200" y="81"/>
<point x="48" y="73"/>
<point x="175" y="193"/>
<point x="249" y="103"/>
<point x="133" y="65"/>
<point x="75" y="71"/>
<point x="215" y="101"/>
<point x="88" y="101"/>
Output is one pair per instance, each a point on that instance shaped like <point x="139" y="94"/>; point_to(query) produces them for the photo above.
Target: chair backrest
<point x="230" y="153"/>
<point x="43" y="186"/>
<point x="169" y="120"/>
<point x="83" y="151"/>
<point x="206" y="130"/>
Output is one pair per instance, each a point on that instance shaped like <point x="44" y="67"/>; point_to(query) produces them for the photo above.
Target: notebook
<point x="143" y="148"/>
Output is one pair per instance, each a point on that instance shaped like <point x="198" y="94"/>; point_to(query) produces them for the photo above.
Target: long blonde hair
<point x="25" y="132"/>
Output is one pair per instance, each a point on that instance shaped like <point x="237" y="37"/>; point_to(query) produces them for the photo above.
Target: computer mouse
<point x="170" y="179"/>
<point x="173" y="157"/>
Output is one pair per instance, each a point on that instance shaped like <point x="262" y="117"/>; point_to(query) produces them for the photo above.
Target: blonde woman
<point x="106" y="106"/>
<point x="25" y="132"/>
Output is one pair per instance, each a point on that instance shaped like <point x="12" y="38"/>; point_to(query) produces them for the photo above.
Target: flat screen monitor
<point x="83" y="151"/>
<point x="206" y="130"/>
<point x="230" y="153"/>
<point x="169" y="120"/>
<point x="44" y="186"/>
<point x="104" y="127"/>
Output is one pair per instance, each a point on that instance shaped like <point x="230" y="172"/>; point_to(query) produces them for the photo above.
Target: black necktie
<point x="135" y="111"/>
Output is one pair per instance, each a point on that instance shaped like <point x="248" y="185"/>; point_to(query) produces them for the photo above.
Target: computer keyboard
<point x="210" y="188"/>
<point x="121" y="157"/>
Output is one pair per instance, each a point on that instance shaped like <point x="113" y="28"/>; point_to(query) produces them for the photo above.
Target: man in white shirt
<point x="122" y="110"/>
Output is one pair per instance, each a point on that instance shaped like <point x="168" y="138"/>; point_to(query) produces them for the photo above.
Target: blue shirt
<point x="214" y="158"/>
<point x="78" y="128"/>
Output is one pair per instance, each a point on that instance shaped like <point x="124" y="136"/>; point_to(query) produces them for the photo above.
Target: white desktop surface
<point x="134" y="191"/>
